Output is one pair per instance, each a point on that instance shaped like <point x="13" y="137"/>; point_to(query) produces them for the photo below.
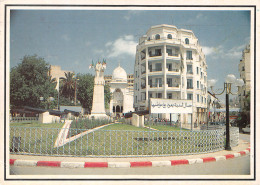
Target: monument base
<point x="99" y="116"/>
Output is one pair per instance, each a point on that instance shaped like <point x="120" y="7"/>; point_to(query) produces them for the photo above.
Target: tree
<point x="107" y="95"/>
<point x="68" y="85"/>
<point x="29" y="81"/>
<point x="85" y="87"/>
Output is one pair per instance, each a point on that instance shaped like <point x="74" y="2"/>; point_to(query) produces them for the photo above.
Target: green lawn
<point x="118" y="126"/>
<point x="166" y="128"/>
<point x="37" y="124"/>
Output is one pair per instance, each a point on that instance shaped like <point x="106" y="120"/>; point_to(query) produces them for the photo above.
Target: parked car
<point x="246" y="129"/>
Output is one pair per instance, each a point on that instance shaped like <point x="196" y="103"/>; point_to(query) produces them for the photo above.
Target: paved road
<point x="236" y="166"/>
<point x="245" y="137"/>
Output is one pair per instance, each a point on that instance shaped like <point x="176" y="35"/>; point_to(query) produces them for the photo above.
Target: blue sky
<point x="73" y="38"/>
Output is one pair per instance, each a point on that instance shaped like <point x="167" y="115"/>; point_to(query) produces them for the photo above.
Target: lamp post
<point x="230" y="79"/>
<point x="75" y="95"/>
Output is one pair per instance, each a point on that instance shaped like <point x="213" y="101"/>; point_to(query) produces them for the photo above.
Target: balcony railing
<point x="155" y="55"/>
<point x="190" y="72"/>
<point x="189" y="87"/>
<point x="143" y="86"/>
<point x="173" y="54"/>
<point x="174" y="70"/>
<point x="155" y="70"/>
<point x="174" y="85"/>
<point x="156" y="85"/>
<point x="143" y="72"/>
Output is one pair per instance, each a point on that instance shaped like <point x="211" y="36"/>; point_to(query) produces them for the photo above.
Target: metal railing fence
<point x="115" y="143"/>
<point x="23" y="119"/>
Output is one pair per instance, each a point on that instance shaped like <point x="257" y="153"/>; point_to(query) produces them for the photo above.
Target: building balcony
<point x="173" y="71"/>
<point x="155" y="72"/>
<point x="173" y="87"/>
<point x="173" y="56"/>
<point x="160" y="42"/>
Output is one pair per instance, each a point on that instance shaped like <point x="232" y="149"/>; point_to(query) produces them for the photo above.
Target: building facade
<point x="170" y="64"/>
<point x="245" y="72"/>
<point x="56" y="72"/>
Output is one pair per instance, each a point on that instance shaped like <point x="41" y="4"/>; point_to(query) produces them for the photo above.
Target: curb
<point x="19" y="162"/>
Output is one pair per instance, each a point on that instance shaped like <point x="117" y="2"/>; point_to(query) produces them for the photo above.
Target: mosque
<point x="122" y="93"/>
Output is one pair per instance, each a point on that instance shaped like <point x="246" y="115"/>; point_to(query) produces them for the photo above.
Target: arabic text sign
<point x="170" y="106"/>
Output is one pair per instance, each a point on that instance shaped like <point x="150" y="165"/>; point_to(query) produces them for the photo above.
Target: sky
<point x="73" y="38"/>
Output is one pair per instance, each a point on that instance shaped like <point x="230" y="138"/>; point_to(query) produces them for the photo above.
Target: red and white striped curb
<point x="19" y="162"/>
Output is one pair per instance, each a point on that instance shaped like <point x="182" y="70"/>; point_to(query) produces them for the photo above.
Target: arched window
<point x="169" y="36"/>
<point x="187" y="41"/>
<point x="157" y="36"/>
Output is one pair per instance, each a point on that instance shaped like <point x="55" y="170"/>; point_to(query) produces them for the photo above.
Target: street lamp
<point x="230" y="79"/>
<point x="48" y="100"/>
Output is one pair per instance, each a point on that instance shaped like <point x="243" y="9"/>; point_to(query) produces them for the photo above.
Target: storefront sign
<point x="170" y="106"/>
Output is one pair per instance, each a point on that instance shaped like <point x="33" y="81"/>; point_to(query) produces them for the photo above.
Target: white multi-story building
<point x="170" y="64"/>
<point x="245" y="72"/>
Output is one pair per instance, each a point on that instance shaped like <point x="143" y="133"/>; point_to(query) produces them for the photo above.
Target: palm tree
<point x="68" y="85"/>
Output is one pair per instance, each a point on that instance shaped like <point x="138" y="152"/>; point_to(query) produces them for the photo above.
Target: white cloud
<point x="212" y="50"/>
<point x="220" y="52"/>
<point x="124" y="45"/>
<point x="65" y="37"/>
<point x="132" y="13"/>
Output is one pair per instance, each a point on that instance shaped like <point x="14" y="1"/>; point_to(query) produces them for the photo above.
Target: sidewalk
<point x="75" y="162"/>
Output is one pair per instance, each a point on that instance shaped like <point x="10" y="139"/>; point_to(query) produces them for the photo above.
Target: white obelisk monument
<point x="98" y="104"/>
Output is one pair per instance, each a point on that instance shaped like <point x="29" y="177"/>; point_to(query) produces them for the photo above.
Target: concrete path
<point x="62" y="138"/>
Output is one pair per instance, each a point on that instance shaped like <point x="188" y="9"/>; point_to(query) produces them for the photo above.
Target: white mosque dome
<point x="119" y="74"/>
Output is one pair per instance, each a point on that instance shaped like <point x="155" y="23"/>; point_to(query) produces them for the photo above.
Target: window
<point x="157" y="36"/>
<point x="189" y="55"/>
<point x="135" y="99"/>
<point x="189" y="69"/>
<point x="150" y="82"/>
<point x="150" y="68"/>
<point x="158" y="95"/>
<point x="198" y="98"/>
<point x="158" y="82"/>
<point x="169" y="51"/>
<point x="169" y="36"/>
<point x="150" y="95"/>
<point x="187" y="41"/>
<point x="198" y="84"/>
<point x="158" y="52"/>
<point x="169" y="66"/>
<point x="189" y="96"/>
<point x="189" y="84"/>
<point x="158" y="67"/>
<point x="169" y="95"/>
<point x="169" y="82"/>
<point x="136" y="74"/>
<point x="197" y="70"/>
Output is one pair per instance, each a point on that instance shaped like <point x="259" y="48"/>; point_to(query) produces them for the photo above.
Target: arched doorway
<point x="118" y="99"/>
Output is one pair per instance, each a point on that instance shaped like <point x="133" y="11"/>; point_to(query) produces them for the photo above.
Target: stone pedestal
<point x="138" y="121"/>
